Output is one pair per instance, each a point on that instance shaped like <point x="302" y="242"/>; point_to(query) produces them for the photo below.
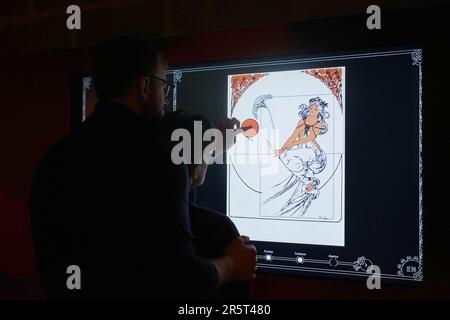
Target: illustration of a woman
<point x="304" y="158"/>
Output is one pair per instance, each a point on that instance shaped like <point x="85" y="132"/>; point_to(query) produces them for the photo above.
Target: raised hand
<point x="243" y="258"/>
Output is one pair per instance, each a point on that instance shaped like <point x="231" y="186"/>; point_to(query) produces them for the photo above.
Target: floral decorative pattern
<point x="240" y="83"/>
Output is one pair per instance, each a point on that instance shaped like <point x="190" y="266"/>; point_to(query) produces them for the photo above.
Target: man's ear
<point x="144" y="87"/>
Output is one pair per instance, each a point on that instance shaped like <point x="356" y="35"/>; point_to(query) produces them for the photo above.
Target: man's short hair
<point x="117" y="61"/>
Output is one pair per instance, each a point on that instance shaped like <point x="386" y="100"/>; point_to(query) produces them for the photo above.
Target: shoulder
<point x="155" y="149"/>
<point x="319" y="125"/>
<point x="209" y="216"/>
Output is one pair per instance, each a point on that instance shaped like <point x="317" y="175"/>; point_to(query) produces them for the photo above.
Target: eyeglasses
<point x="166" y="84"/>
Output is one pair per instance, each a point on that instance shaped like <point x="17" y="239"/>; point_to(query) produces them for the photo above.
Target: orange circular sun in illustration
<point x="251" y="128"/>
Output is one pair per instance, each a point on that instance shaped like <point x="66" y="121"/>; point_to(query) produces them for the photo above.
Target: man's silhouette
<point x="108" y="198"/>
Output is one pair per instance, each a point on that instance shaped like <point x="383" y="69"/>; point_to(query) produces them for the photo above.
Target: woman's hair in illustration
<point x="304" y="111"/>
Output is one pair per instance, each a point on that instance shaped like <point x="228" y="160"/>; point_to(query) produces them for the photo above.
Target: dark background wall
<point x="38" y="56"/>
